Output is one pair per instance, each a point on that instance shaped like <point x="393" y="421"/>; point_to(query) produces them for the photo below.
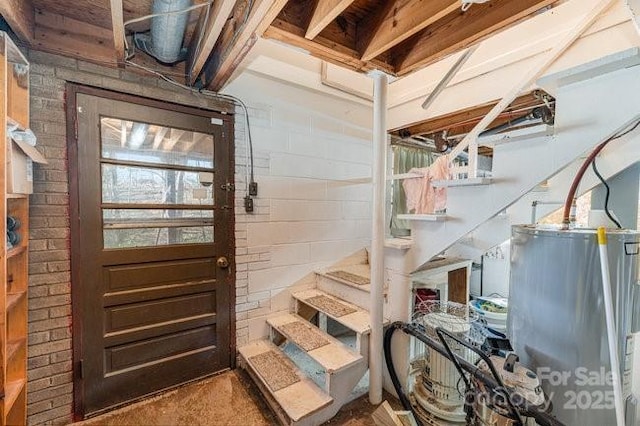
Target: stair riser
<point x="340" y="385"/>
<point x="343" y="291"/>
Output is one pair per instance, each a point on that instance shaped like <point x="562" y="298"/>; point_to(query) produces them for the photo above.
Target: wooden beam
<point x="322" y="48"/>
<point x="403" y="19"/>
<point x="69" y="37"/>
<point x="459" y="30"/>
<point x="198" y="55"/>
<point x="239" y="35"/>
<point x="325" y="12"/>
<point x="19" y="14"/>
<point x="466" y="117"/>
<point x="159" y="137"/>
<point x="117" y="23"/>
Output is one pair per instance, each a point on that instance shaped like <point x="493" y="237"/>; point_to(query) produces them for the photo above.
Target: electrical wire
<point x="170" y="12"/>
<point x="209" y="93"/>
<point x="606" y="197"/>
<point x="578" y="178"/>
<point x="236" y="100"/>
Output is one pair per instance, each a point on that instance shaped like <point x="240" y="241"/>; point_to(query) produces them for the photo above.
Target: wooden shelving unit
<point x="14" y="111"/>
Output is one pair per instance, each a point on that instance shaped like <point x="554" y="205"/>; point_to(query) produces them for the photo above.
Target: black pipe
<point x="541" y="417"/>
<point x="539" y="113"/>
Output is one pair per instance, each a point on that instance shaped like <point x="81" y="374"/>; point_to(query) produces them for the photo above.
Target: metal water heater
<point x="556" y="319"/>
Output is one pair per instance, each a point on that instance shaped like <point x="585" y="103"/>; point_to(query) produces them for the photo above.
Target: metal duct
<point x="167" y="31"/>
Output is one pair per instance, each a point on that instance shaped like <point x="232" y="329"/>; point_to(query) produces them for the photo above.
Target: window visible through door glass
<point x="150" y="143"/>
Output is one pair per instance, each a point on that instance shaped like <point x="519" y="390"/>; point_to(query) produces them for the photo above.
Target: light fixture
<point x="466" y="4"/>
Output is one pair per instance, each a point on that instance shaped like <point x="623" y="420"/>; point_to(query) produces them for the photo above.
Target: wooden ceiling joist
<point x="218" y="15"/>
<point x="19" y="14"/>
<point x="238" y="36"/>
<point x="69" y="37"/>
<point x="404" y="18"/>
<point x="322" y="48"/>
<point x="325" y="12"/>
<point x="459" y="30"/>
<point x="463" y="120"/>
<point x="117" y="23"/>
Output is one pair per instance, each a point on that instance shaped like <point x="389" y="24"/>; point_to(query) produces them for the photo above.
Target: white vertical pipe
<point x="612" y="335"/>
<point x="376" y="259"/>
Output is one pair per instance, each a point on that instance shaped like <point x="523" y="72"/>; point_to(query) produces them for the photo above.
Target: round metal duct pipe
<point x="167" y="31"/>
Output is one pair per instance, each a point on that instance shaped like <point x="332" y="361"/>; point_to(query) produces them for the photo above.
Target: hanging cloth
<point x="422" y="197"/>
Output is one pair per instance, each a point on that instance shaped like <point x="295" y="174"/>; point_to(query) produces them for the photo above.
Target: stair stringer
<point x="615" y="158"/>
<point x="587" y="113"/>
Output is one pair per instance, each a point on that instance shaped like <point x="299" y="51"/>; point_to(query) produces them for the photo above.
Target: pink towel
<point x="422" y="197"/>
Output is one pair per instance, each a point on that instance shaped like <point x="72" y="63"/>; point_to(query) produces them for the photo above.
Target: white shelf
<point x="462" y="182"/>
<point x="424" y="217"/>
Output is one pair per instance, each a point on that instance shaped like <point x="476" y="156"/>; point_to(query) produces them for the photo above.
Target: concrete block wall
<point x="306" y="217"/>
<point x="312" y="158"/>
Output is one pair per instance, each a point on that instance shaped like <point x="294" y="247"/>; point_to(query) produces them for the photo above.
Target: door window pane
<point x="144" y="218"/>
<point x="142" y="185"/>
<point x="150" y="143"/>
<point x="146" y="237"/>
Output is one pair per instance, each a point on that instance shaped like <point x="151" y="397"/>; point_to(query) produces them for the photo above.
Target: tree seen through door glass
<point x="145" y="185"/>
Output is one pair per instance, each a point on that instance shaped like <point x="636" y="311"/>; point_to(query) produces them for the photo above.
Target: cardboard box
<point x="20" y="158"/>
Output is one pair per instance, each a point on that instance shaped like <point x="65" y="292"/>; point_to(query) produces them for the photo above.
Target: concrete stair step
<point x="349" y="315"/>
<point x="293" y="396"/>
<point x="326" y="350"/>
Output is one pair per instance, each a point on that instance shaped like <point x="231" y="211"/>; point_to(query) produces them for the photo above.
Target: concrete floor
<point x="227" y="399"/>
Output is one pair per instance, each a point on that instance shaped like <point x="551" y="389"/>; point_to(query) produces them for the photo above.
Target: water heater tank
<point x="556" y="319"/>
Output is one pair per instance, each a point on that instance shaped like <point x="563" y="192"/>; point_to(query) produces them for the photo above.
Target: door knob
<point x="223" y="262"/>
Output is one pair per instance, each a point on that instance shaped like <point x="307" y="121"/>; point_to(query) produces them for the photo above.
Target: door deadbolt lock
<point x="223" y="262"/>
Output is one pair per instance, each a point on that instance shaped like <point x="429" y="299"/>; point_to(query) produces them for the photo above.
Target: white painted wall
<point x="496" y="270"/>
<point x="307" y="144"/>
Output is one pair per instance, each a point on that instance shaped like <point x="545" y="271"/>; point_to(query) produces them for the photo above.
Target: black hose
<point x="541" y="417"/>
<point x="606" y="197"/>
<point x="404" y="400"/>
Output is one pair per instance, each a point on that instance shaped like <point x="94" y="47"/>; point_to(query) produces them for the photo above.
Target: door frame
<point x="71" y="92"/>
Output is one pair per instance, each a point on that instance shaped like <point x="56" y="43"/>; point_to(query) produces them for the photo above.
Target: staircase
<point x="590" y="108"/>
<point x="315" y="358"/>
<point x="615" y="158"/>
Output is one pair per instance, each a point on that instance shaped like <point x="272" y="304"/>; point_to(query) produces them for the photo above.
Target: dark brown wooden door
<point x="153" y="217"/>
